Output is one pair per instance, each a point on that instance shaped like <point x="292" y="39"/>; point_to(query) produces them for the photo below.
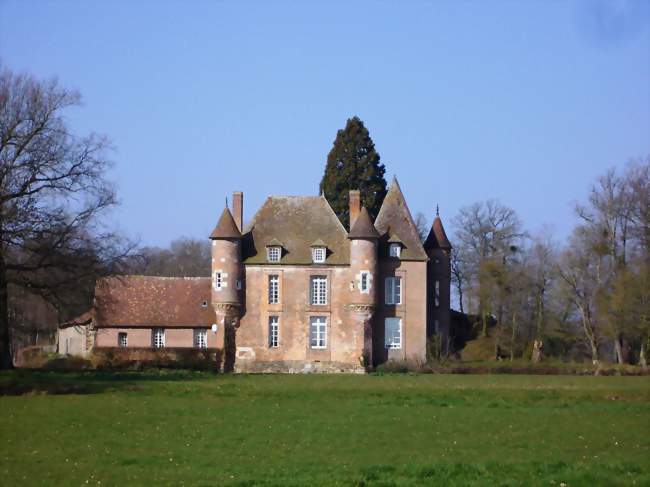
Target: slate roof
<point x="298" y="222"/>
<point x="394" y="218"/>
<point x="437" y="238"/>
<point x="363" y="227"/>
<point x="226" y="227"/>
<point x="153" y="301"/>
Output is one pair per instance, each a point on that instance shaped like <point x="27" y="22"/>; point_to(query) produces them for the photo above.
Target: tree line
<point x="529" y="294"/>
<point x="590" y="297"/>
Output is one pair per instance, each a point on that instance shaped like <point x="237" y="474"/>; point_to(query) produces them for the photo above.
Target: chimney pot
<point x="238" y="209"/>
<point x="355" y="205"/>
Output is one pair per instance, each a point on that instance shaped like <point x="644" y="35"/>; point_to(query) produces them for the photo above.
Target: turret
<point x="364" y="278"/>
<point x="438" y="250"/>
<point x="226" y="264"/>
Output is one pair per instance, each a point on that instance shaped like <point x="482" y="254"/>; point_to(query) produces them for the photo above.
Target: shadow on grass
<point x="39" y="382"/>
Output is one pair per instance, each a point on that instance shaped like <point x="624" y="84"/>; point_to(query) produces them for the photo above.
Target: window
<point x="318" y="332"/>
<point x="318" y="290"/>
<point x="274" y="331"/>
<point x="201" y="338"/>
<point x="393" y="333"/>
<point x="318" y="254"/>
<point x="364" y="285"/>
<point x="204" y="304"/>
<point x="273" y="254"/>
<point x="218" y="280"/>
<point x="122" y="340"/>
<point x="436" y="294"/>
<point x="395" y="250"/>
<point x="436" y="326"/>
<point x="274" y="289"/>
<point x="238" y="284"/>
<point x="393" y="290"/>
<point x="158" y="338"/>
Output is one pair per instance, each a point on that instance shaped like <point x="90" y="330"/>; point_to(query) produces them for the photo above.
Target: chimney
<point x="355" y="205"/>
<point x="238" y="208"/>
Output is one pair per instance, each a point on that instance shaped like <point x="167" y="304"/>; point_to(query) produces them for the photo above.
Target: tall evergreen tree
<point x="353" y="163"/>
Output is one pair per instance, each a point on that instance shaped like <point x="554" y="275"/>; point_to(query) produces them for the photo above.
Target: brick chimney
<point x="238" y="208"/>
<point x="355" y="205"/>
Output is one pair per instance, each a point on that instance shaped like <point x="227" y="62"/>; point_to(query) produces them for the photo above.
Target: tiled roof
<point x="296" y="221"/>
<point x="394" y="219"/>
<point x="226" y="228"/>
<point x="363" y="227"/>
<point x="153" y="301"/>
<point x="437" y="237"/>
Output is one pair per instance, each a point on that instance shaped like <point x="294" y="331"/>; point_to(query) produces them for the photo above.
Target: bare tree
<point x="186" y="257"/>
<point x="422" y="225"/>
<point x="486" y="233"/>
<point x="52" y="193"/>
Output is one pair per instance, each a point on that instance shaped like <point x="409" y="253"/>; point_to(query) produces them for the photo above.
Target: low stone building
<point x="295" y="291"/>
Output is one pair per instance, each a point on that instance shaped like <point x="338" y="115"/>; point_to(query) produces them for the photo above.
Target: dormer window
<point x="395" y="250"/>
<point x="318" y="255"/>
<point x="274" y="253"/>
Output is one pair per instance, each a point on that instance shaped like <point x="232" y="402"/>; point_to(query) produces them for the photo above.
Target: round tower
<point x="438" y="249"/>
<point x="364" y="278"/>
<point x="226" y="282"/>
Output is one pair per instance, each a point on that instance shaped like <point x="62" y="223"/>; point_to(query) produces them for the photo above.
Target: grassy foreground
<point x="183" y="428"/>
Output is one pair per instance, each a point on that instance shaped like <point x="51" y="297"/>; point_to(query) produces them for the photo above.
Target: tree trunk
<point x="642" y="354"/>
<point x="618" y="348"/>
<point x="6" y="361"/>
<point x="513" y="336"/>
<point x="538" y="347"/>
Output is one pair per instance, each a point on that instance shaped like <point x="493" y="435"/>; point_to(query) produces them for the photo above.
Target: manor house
<point x="295" y="291"/>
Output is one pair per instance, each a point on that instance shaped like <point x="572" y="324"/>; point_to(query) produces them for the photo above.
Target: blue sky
<point x="524" y="101"/>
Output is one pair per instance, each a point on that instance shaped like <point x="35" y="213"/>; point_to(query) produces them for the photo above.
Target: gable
<point x="394" y="222"/>
<point x="297" y="222"/>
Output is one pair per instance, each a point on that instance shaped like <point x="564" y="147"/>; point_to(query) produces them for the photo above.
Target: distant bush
<point x="146" y="358"/>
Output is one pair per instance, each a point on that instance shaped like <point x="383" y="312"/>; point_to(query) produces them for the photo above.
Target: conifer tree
<point x="353" y="163"/>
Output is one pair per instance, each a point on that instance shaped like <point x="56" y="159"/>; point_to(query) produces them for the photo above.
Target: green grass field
<point x="182" y="428"/>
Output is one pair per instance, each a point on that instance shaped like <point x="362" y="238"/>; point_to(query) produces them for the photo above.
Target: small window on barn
<point x="201" y="338"/>
<point x="122" y="339"/>
<point x="158" y="338"/>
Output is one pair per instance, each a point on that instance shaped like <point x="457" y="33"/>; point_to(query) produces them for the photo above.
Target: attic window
<point x="318" y="255"/>
<point x="273" y="254"/>
<point x="395" y="250"/>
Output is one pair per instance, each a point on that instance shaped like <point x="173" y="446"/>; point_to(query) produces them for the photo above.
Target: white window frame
<point x="122" y="339"/>
<point x="318" y="290"/>
<point x="318" y="332"/>
<point x="200" y="338"/>
<point x="274" y="253"/>
<point x="274" y="331"/>
<point x="158" y="338"/>
<point x="392" y="334"/>
<point x="393" y="290"/>
<point x="395" y="250"/>
<point x="318" y="255"/>
<point x="274" y="288"/>
<point x="364" y="282"/>
<point x="218" y="281"/>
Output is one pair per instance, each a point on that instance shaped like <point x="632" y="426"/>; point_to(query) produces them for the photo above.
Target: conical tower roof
<point x="437" y="238"/>
<point x="363" y="227"/>
<point x="226" y="228"/>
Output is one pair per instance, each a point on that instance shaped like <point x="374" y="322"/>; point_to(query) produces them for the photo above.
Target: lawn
<point x="183" y="428"/>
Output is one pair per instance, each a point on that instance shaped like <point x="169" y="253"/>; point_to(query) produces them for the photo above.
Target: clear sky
<point x="524" y="101"/>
